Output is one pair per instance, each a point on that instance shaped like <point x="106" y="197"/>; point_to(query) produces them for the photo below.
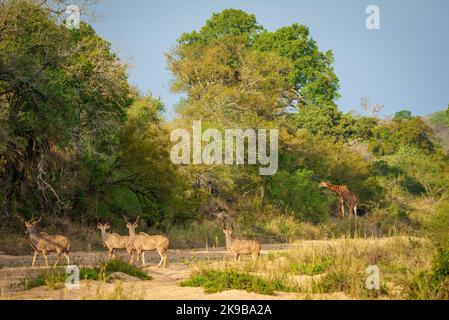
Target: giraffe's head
<point x="324" y="184"/>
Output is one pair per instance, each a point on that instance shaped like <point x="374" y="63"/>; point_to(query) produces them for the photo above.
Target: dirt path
<point x="163" y="286"/>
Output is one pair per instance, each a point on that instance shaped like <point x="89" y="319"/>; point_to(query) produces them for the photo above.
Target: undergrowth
<point x="56" y="277"/>
<point x="214" y="281"/>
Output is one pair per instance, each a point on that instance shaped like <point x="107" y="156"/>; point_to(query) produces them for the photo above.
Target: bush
<point x="124" y="267"/>
<point x="217" y="281"/>
<point x="55" y="278"/>
<point x="299" y="194"/>
<point x="424" y="172"/>
<point x="314" y="267"/>
<point x="438" y="226"/>
<point x="409" y="132"/>
<point x="434" y="284"/>
<point x="195" y="235"/>
<point x="52" y="279"/>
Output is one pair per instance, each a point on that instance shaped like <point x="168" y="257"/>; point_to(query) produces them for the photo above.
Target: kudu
<point x="43" y="243"/>
<point x="238" y="247"/>
<point x="142" y="242"/>
<point x="113" y="241"/>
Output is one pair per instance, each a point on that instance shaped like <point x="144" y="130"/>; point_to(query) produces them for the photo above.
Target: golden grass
<point x="323" y="267"/>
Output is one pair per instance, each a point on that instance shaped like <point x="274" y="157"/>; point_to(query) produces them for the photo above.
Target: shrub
<point x="312" y="268"/>
<point x="195" y="235"/>
<point x="217" y="281"/>
<point x="124" y="267"/>
<point x="438" y="226"/>
<point x="433" y="284"/>
<point x="55" y="278"/>
<point x="89" y="274"/>
<point x="409" y="132"/>
<point x="299" y="194"/>
<point x="428" y="173"/>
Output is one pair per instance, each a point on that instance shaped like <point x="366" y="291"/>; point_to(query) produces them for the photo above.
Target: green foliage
<point x="402" y="115"/>
<point x="438" y="226"/>
<point x="56" y="277"/>
<point x="118" y="265"/>
<point x="89" y="274"/>
<point x="299" y="194"/>
<point x="248" y="69"/>
<point x="388" y="138"/>
<point x="143" y="167"/>
<point x="217" y="281"/>
<point x="313" y="74"/>
<point x="331" y="161"/>
<point x="52" y="279"/>
<point x="335" y="281"/>
<point x="33" y="282"/>
<point x="314" y="267"/>
<point x="63" y="94"/>
<point x="423" y="173"/>
<point x="433" y="284"/>
<point x="325" y="120"/>
<point x="441" y="118"/>
<point x="229" y="22"/>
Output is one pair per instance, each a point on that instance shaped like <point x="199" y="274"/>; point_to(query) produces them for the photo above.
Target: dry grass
<point x="82" y="237"/>
<point x="196" y="235"/>
<point x="322" y="267"/>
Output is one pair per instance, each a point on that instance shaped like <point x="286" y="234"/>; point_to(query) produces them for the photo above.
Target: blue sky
<point x="404" y="65"/>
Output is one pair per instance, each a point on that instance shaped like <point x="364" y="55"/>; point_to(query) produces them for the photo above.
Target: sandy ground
<point x="163" y="286"/>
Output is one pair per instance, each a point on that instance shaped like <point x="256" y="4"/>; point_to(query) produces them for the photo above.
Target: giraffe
<point x="346" y="197"/>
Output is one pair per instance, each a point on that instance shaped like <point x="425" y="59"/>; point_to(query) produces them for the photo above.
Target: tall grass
<point x="432" y="284"/>
<point x="196" y="235"/>
<point x="322" y="267"/>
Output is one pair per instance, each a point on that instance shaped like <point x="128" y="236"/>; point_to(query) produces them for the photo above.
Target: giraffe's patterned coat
<point x="345" y="195"/>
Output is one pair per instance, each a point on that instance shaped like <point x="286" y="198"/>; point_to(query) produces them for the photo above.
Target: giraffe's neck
<point x="334" y="188"/>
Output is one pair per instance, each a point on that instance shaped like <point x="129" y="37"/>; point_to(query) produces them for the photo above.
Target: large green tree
<point x="62" y="93"/>
<point x="235" y="73"/>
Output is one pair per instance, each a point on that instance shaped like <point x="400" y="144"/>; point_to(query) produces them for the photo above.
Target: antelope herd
<point x="135" y="244"/>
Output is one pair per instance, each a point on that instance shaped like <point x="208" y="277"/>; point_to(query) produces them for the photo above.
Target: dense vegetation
<point x="78" y="143"/>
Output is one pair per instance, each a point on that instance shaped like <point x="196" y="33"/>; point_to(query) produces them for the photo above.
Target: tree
<point x="143" y="166"/>
<point x="228" y="23"/>
<point x="298" y="194"/>
<point x="312" y="77"/>
<point x="235" y="74"/>
<point x="232" y="55"/>
<point x="62" y="93"/>
<point x="404" y="114"/>
<point x="412" y="132"/>
<point x="227" y="83"/>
